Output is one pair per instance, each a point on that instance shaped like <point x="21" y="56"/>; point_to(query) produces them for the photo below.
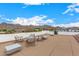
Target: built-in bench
<point x="12" y="48"/>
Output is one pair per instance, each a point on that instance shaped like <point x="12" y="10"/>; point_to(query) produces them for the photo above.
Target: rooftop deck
<point x="58" y="45"/>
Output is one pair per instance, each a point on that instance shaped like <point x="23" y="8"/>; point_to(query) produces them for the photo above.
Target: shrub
<point x="10" y="30"/>
<point x="7" y="30"/>
<point x="4" y="30"/>
<point x="55" y="32"/>
<point x="37" y="29"/>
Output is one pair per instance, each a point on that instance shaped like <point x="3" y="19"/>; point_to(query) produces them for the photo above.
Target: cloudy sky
<point x="54" y="14"/>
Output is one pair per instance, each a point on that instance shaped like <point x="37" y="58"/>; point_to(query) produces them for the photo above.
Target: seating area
<point x="18" y="38"/>
<point x="30" y="41"/>
<point x="41" y="37"/>
<point x="57" y="45"/>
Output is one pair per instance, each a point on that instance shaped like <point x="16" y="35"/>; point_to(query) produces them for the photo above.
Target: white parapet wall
<point x="10" y="37"/>
<point x="68" y="33"/>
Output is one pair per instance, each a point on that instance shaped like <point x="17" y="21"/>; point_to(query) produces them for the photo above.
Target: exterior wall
<point x="69" y="30"/>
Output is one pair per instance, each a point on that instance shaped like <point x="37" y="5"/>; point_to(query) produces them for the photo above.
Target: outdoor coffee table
<point x="12" y="48"/>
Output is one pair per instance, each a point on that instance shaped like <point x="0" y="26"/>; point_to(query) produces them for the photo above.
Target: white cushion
<point x="12" y="48"/>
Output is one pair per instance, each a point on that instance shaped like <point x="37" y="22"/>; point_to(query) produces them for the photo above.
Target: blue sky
<point x="55" y="13"/>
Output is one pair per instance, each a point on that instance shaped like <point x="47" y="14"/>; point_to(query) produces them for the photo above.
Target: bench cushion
<point x="12" y="48"/>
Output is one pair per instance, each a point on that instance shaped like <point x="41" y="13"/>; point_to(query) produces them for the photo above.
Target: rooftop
<point x="58" y="45"/>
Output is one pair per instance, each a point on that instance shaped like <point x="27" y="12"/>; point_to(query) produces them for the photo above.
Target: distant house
<point x="70" y="29"/>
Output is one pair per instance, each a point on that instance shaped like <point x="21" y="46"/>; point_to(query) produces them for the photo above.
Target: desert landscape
<point x="49" y="29"/>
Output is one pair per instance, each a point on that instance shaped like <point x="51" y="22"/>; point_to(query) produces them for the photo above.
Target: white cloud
<point x="71" y="14"/>
<point x="49" y="21"/>
<point x="65" y="12"/>
<point x="77" y="10"/>
<point x="4" y="18"/>
<point x="1" y="16"/>
<point x="31" y="3"/>
<point x="36" y="20"/>
<point x="76" y="24"/>
<point x="72" y="8"/>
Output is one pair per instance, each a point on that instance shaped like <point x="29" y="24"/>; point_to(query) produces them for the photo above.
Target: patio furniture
<point x="10" y="49"/>
<point x="39" y="38"/>
<point x="18" y="38"/>
<point x="44" y="36"/>
<point x="31" y="39"/>
<point x="36" y="37"/>
<point x="51" y="33"/>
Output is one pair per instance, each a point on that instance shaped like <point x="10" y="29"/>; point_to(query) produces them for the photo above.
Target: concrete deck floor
<point x="58" y="45"/>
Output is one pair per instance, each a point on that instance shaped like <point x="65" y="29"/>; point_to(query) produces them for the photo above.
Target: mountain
<point x="20" y="28"/>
